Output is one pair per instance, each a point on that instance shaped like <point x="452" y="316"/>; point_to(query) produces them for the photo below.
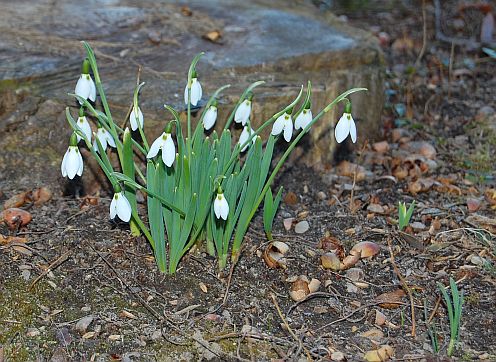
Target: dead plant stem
<point x="404" y="284"/>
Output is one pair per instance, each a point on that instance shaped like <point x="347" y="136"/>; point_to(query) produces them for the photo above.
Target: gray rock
<point x="302" y="227"/>
<point x="83" y="324"/>
<point x="282" y="42"/>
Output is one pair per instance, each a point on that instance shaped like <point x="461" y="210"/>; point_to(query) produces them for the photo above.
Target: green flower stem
<point x="290" y="148"/>
<point x="99" y="87"/>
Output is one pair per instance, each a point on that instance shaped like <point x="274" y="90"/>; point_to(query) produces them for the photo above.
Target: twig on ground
<point x="404" y="284"/>
<point x="51" y="267"/>
<point x="296" y="338"/>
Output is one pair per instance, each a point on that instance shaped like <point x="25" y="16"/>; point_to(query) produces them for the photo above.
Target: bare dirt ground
<point x="75" y="286"/>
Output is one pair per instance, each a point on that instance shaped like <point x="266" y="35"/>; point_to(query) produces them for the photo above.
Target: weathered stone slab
<point x="282" y="42"/>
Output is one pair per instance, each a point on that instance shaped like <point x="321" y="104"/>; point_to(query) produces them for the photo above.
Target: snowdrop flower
<point x="245" y="135"/>
<point x="210" y="116"/>
<point x="136" y="117"/>
<point x="196" y="90"/>
<point x="85" y="87"/>
<point x="104" y="137"/>
<point x="345" y="126"/>
<point x="165" y="143"/>
<point x="304" y="118"/>
<point x="221" y="207"/>
<point x="83" y="125"/>
<point x="283" y="123"/>
<point x="120" y="206"/>
<point x="243" y="111"/>
<point x="72" y="163"/>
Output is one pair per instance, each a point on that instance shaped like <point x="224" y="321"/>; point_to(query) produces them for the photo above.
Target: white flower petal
<point x="186" y="94"/>
<point x="224" y="208"/>
<point x="85" y="127"/>
<point x="278" y="125"/>
<point x="288" y="129"/>
<point x="243" y="112"/>
<point x="196" y="92"/>
<point x="217" y="208"/>
<point x="210" y="118"/>
<point x="109" y="138"/>
<point x="342" y="128"/>
<point x="64" y="162"/>
<point x="83" y="87"/>
<point x="81" y="164"/>
<point x="156" y="146"/>
<point x="100" y="134"/>
<point x="221" y="207"/>
<point x="72" y="164"/>
<point x="123" y="208"/>
<point x="113" y="206"/>
<point x="303" y="119"/>
<point x="245" y="135"/>
<point x="168" y="151"/>
<point x="92" y="94"/>
<point x="132" y="119"/>
<point x="353" y="130"/>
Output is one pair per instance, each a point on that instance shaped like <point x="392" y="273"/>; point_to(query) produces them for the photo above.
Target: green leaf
<point x="154" y="175"/>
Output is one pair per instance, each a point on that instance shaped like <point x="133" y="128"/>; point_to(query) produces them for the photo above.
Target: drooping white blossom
<point x="104" y="137"/>
<point x="284" y="123"/>
<point x="245" y="135"/>
<point x="72" y="163"/>
<point x="84" y="126"/>
<point x="196" y="92"/>
<point x="210" y="117"/>
<point x="221" y="207"/>
<point x="136" y="119"/>
<point x="243" y="112"/>
<point x="85" y="88"/>
<point x="303" y="119"/>
<point x="121" y="207"/>
<point x="165" y="143"/>
<point x="346" y="126"/>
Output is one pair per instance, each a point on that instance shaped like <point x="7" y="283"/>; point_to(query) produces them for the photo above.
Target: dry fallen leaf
<point x="473" y="204"/>
<point x="41" y="195"/>
<point x="4" y="240"/>
<point x="214" y="36"/>
<point x="16" y="200"/>
<point x="274" y="255"/>
<point x="186" y="11"/>
<point x="127" y="314"/>
<point x="15" y="217"/>
<point x="366" y="249"/>
<point x="331" y="244"/>
<point x="88" y="335"/>
<point x="301" y="287"/>
<point x="349" y="169"/>
<point x="382" y="354"/>
<point x="391" y="300"/>
<point x="381" y="147"/>
<point x="203" y="287"/>
<point x="290" y="198"/>
<point x="373" y="334"/>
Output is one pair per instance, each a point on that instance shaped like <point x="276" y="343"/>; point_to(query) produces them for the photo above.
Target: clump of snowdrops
<point x="199" y="188"/>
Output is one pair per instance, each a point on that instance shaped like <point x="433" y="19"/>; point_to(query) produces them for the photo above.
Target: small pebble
<point x="83" y="324"/>
<point x="302" y="227"/>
